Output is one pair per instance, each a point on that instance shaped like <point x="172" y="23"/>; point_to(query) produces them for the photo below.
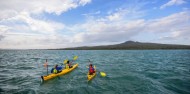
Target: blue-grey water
<point x="128" y="72"/>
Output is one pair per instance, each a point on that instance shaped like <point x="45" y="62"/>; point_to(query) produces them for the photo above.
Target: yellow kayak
<point x="64" y="71"/>
<point x="90" y="77"/>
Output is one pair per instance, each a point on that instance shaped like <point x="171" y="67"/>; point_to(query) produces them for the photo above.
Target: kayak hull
<point x="90" y="77"/>
<point x="64" y="71"/>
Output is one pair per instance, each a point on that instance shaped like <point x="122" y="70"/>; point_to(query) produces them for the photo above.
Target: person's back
<point x="55" y="69"/>
<point x="59" y="68"/>
<point x="67" y="65"/>
<point x="70" y="66"/>
<point x="91" y="69"/>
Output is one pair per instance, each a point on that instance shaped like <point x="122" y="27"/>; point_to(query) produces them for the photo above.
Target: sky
<point x="47" y="24"/>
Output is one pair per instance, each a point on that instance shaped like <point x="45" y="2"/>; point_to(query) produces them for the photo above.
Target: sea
<point x="127" y="72"/>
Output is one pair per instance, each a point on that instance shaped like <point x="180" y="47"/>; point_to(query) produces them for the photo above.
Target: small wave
<point x="2" y="66"/>
<point x="35" y="58"/>
<point x="1" y="90"/>
<point x="17" y="80"/>
<point x="26" y="91"/>
<point x="26" y="67"/>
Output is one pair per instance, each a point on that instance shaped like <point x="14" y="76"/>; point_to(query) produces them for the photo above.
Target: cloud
<point x="21" y="12"/>
<point x="10" y="8"/>
<point x="169" y="23"/>
<point x="1" y="37"/>
<point x="109" y="31"/>
<point x="22" y="16"/>
<point x="116" y="16"/>
<point x="22" y="23"/>
<point x="170" y="29"/>
<point x="91" y="14"/>
<point x="109" y="28"/>
<point x="33" y="41"/>
<point x="32" y="33"/>
<point x="172" y="2"/>
<point x="125" y="13"/>
<point x="3" y="29"/>
<point x="84" y="2"/>
<point x="25" y="28"/>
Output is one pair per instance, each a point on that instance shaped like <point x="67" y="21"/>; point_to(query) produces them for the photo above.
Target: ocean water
<point x="128" y="72"/>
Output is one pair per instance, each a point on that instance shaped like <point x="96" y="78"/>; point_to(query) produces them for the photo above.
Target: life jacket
<point x="91" y="70"/>
<point x="55" y="71"/>
<point x="59" y="68"/>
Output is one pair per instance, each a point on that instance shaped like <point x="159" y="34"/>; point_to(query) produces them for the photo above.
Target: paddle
<point x="65" y="61"/>
<point x="46" y="65"/>
<point x="103" y="74"/>
<point x="74" y="58"/>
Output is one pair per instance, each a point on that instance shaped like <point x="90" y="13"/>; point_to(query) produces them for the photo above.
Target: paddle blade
<point x="65" y="61"/>
<point x="103" y="74"/>
<point x="75" y="57"/>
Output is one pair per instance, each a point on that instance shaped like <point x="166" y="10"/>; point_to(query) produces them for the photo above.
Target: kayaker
<point x="56" y="69"/>
<point x="68" y="65"/>
<point x="91" y="69"/>
<point x="59" y="68"/>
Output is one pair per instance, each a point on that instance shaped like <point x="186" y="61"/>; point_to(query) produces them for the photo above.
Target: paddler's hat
<point x="90" y="65"/>
<point x="68" y="62"/>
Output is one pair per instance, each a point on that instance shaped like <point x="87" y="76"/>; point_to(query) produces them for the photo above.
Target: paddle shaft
<point x="47" y="69"/>
<point x="47" y="66"/>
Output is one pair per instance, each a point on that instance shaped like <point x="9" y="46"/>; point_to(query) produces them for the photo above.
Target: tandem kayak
<point x="64" y="71"/>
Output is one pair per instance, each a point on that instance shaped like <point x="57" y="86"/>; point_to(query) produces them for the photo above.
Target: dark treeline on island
<point x="130" y="45"/>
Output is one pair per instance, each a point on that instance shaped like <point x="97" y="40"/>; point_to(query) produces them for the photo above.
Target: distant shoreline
<point x="128" y="45"/>
<point x="131" y="45"/>
<point x="99" y="49"/>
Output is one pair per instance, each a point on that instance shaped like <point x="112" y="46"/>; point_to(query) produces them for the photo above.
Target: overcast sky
<point x="38" y="24"/>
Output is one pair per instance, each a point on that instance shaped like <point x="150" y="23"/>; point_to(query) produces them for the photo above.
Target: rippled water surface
<point x="128" y="72"/>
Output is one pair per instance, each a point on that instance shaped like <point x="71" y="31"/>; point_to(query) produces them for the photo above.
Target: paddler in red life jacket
<point x="91" y="69"/>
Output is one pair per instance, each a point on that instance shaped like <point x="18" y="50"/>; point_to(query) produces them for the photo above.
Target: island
<point x="130" y="45"/>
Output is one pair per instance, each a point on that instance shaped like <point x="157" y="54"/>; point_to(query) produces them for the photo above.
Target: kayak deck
<point x="64" y="71"/>
<point x="90" y="77"/>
